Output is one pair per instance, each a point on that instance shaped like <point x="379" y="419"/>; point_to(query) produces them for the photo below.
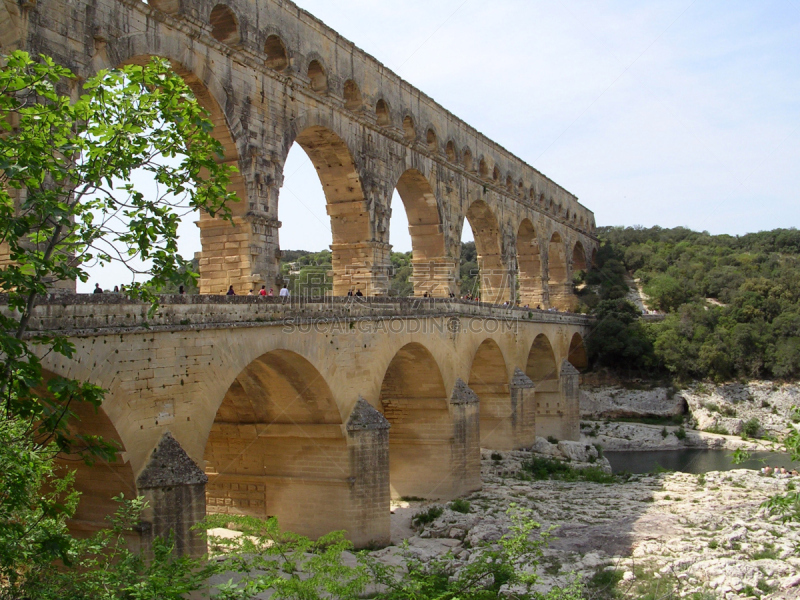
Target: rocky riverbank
<point x="712" y="416"/>
<point x="684" y="534"/>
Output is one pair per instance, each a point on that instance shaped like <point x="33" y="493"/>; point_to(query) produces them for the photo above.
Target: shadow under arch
<point x="577" y="353"/>
<point x="414" y="400"/>
<point x="352" y="261"/>
<point x="529" y="261"/>
<point x="433" y="272"/>
<point x="277" y="447"/>
<point x="559" y="287"/>
<point x="579" y="258"/>
<point x="494" y="286"/>
<point x="488" y="378"/>
<point x="100" y="482"/>
<point x="222" y="253"/>
<point x="542" y="368"/>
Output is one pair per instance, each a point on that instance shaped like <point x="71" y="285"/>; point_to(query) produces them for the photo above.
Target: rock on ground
<point x="703" y="533"/>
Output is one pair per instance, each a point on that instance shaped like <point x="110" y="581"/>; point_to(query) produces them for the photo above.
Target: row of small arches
<point x="225" y="29"/>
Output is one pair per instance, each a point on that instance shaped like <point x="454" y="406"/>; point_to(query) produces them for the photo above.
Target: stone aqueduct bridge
<point x="317" y="413"/>
<point x="272" y="75"/>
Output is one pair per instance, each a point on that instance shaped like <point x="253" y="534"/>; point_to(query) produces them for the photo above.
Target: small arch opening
<point x="224" y="25"/>
<point x="382" y="112"/>
<point x="277" y="57"/>
<point x="430" y="137"/>
<point x="450" y="150"/>
<point x="467" y="159"/>
<point x="408" y="128"/>
<point x="509" y="184"/>
<point x="352" y="95"/>
<point x="318" y="77"/>
<point x="483" y="168"/>
<point x="496" y="174"/>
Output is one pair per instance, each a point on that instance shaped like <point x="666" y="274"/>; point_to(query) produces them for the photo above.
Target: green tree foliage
<point x="732" y="303"/>
<point x="65" y="201"/>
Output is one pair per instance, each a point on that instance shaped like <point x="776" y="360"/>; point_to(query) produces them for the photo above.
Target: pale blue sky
<point x="663" y="113"/>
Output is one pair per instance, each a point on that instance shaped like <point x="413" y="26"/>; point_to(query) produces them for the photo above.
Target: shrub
<point x="460" y="505"/>
<point x="680" y="433"/>
<point x="428" y="516"/>
<point x="552" y="440"/>
<point x="664" y="433"/>
<point x="497" y="456"/>
<point x="751" y="428"/>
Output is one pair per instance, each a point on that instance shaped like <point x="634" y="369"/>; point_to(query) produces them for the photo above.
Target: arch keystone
<point x="366" y="417"/>
<point x="175" y="490"/>
<point x="463" y="394"/>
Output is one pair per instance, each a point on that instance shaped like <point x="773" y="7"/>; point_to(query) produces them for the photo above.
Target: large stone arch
<point x="434" y="272"/>
<point x="355" y="256"/>
<point x="100" y="481"/>
<point x="225" y="256"/>
<point x="529" y="261"/>
<point x="577" y="355"/>
<point x="579" y="262"/>
<point x="488" y="378"/>
<point x="277" y="447"/>
<point x="542" y="368"/>
<point x="488" y="243"/>
<point x="559" y="286"/>
<point x="432" y="450"/>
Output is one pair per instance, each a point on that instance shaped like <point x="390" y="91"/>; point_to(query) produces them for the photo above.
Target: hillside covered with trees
<point x="732" y="303"/>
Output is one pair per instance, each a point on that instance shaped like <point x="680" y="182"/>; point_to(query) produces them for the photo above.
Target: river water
<point x="690" y="461"/>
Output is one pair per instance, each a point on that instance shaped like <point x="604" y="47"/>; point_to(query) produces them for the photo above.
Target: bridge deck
<point x="98" y="314"/>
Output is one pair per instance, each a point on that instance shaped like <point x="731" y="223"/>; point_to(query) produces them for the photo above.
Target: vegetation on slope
<point x="732" y="303"/>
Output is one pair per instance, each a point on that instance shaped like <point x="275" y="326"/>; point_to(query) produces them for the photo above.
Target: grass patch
<point x="547" y="468"/>
<point x="718" y="429"/>
<point x="603" y="584"/>
<point x="767" y="552"/>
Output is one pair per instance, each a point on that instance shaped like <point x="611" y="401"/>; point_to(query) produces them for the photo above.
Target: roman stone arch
<point x="277" y="447"/>
<point x="317" y="76"/>
<point x="577" y="353"/>
<point x="543" y="370"/>
<point x="488" y="243"/>
<point x="409" y="128"/>
<point x="434" y="272"/>
<point x="224" y="25"/>
<point x="559" y="286"/>
<point x="529" y="261"/>
<point x="541" y="365"/>
<point x="414" y="400"/>
<point x="352" y="257"/>
<point x="383" y="113"/>
<point x="277" y="58"/>
<point x="579" y="258"/>
<point x="352" y="96"/>
<point x="222" y="250"/>
<point x="488" y="378"/>
<point x="450" y="152"/>
<point x="467" y="159"/>
<point x="432" y="140"/>
<point x="100" y="482"/>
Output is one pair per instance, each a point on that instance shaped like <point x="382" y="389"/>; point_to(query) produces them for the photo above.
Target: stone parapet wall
<point x="89" y="314"/>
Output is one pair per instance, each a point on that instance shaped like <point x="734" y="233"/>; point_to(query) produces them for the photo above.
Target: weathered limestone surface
<point x="695" y="535"/>
<point x="272" y="75"/>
